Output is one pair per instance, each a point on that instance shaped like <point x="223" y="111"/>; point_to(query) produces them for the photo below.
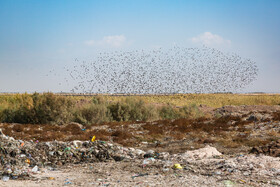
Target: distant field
<point x="211" y="100"/>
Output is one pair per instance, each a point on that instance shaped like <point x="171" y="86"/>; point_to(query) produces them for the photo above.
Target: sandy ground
<point x="115" y="174"/>
<point x="133" y="173"/>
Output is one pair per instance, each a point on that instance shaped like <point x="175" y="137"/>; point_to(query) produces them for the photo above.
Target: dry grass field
<point x="211" y="100"/>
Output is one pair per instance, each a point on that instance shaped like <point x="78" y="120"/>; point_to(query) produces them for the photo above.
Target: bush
<point x="92" y="114"/>
<point x="98" y="100"/>
<point x="46" y="108"/>
<point x="191" y="111"/>
<point x="132" y="110"/>
<point x="119" y="111"/>
<point x="168" y="112"/>
<point x="49" y="108"/>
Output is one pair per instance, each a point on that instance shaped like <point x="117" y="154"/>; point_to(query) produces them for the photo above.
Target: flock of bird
<point x="176" y="70"/>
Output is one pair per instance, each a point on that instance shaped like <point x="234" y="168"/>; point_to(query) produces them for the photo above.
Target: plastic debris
<point x="228" y="183"/>
<point x="148" y="161"/>
<point x="77" y="143"/>
<point x="67" y="182"/>
<point x="177" y="166"/>
<point x="35" y="169"/>
<point x="67" y="149"/>
<point x="16" y="161"/>
<point x="27" y="161"/>
<point x="139" y="175"/>
<point x="5" y="178"/>
<point x="93" y="139"/>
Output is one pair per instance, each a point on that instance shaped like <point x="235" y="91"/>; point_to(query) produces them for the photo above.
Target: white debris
<point x="206" y="152"/>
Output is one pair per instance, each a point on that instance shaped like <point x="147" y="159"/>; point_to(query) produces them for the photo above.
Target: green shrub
<point x="98" y="100"/>
<point x="50" y="108"/>
<point x="132" y="110"/>
<point x="191" y="111"/>
<point x="92" y="114"/>
<point x="119" y="111"/>
<point x="168" y="112"/>
<point x="46" y="108"/>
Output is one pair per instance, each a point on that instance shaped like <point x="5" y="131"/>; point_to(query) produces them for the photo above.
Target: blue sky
<point x="39" y="36"/>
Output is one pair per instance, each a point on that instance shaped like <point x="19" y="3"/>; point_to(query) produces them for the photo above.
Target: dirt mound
<point x="206" y="152"/>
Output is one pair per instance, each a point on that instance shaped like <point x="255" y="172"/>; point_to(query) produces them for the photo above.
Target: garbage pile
<point x="271" y="149"/>
<point x="22" y="158"/>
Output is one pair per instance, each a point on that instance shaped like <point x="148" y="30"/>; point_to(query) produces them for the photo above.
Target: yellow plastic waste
<point x="51" y="178"/>
<point x="27" y="161"/>
<point x="177" y="166"/>
<point x="242" y="181"/>
<point x="93" y="139"/>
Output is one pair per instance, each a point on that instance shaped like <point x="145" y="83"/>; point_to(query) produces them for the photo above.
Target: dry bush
<point x="72" y="128"/>
<point x="276" y="116"/>
<point x="100" y="134"/>
<point x="228" y="143"/>
<point x="94" y="113"/>
<point x="58" y="135"/>
<point x="121" y="135"/>
<point x="177" y="135"/>
<point x="8" y="131"/>
<point x="47" y="128"/>
<point x="209" y="141"/>
<point x="256" y="142"/>
<point x="155" y="128"/>
<point x="18" y="128"/>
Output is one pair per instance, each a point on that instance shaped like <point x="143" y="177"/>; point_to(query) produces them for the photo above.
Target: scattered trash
<point x="16" y="160"/>
<point x="5" y="178"/>
<point x="139" y="175"/>
<point x="68" y="182"/>
<point x="275" y="182"/>
<point x="27" y="161"/>
<point x="228" y="183"/>
<point x="93" y="139"/>
<point x="218" y="172"/>
<point x="151" y="153"/>
<point x="67" y="149"/>
<point x="165" y="169"/>
<point x="77" y="143"/>
<point x="35" y="169"/>
<point x="20" y="162"/>
<point x="271" y="149"/>
<point x="177" y="166"/>
<point x="242" y="181"/>
<point x="148" y="161"/>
